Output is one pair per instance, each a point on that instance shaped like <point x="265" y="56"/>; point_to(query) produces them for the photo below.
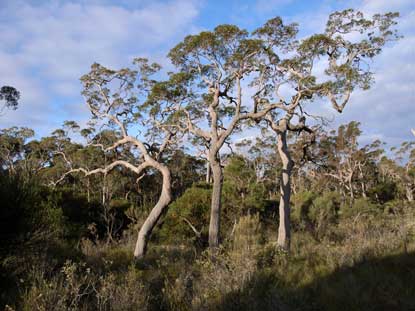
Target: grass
<point x="364" y="263"/>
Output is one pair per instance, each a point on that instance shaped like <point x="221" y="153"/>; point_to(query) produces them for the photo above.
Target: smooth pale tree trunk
<point x="155" y="214"/>
<point x="363" y="190"/>
<point x="88" y="189"/>
<point x="284" y="229"/>
<point x="409" y="193"/>
<point x="214" y="225"/>
<point x="351" y="188"/>
<point x="208" y="171"/>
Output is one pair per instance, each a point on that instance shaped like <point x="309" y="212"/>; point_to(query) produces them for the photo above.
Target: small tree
<point x="12" y="147"/>
<point x="10" y="96"/>
<point x="116" y="100"/>
<point x="349" y="42"/>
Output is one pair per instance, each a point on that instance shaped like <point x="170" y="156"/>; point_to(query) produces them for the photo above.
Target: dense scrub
<point x="69" y="246"/>
<point x="365" y="251"/>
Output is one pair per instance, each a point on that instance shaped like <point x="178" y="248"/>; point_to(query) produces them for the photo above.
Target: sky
<point x="46" y="46"/>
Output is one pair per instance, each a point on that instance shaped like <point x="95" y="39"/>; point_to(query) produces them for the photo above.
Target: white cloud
<point x="47" y="47"/>
<point x="386" y="111"/>
<point x="267" y="5"/>
<point x="381" y="6"/>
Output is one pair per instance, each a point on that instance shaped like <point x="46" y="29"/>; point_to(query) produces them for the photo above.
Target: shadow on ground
<point x="378" y="284"/>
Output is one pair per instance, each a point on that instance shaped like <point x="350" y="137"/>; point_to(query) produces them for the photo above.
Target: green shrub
<point x="383" y="192"/>
<point x="66" y="290"/>
<point x="191" y="209"/>
<point x="241" y="193"/>
<point x="302" y="203"/>
<point x="30" y="224"/>
<point x="324" y="211"/>
<point x="314" y="211"/>
<point x="360" y="206"/>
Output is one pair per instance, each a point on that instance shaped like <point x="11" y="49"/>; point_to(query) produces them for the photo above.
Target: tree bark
<point x="349" y="180"/>
<point x="409" y="193"/>
<point x="208" y="171"/>
<point x="364" y="190"/>
<point x="155" y="214"/>
<point x="284" y="230"/>
<point x="214" y="225"/>
<point x="88" y="185"/>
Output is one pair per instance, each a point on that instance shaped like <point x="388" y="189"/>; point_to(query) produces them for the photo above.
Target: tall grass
<point x="362" y="262"/>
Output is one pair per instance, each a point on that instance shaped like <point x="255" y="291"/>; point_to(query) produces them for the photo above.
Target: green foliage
<point x="191" y="209"/>
<point x="360" y="206"/>
<point x="325" y="208"/>
<point x="10" y="96"/>
<point x="247" y="239"/>
<point x="77" y="212"/>
<point x="241" y="193"/>
<point x="30" y="225"/>
<point x="28" y="215"/>
<point x="302" y="203"/>
<point x="385" y="191"/>
<point x="316" y="212"/>
<point x="186" y="170"/>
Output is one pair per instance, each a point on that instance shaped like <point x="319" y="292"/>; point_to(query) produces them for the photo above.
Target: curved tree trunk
<point x="284" y="230"/>
<point x="214" y="225"/>
<point x="156" y="212"/>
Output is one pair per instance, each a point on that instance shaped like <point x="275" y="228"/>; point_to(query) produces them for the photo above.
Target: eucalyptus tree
<point x="10" y="96"/>
<point x="208" y="98"/>
<point x="404" y="171"/>
<point x="349" y="168"/>
<point x="12" y="147"/>
<point x="323" y="66"/>
<point x="117" y="101"/>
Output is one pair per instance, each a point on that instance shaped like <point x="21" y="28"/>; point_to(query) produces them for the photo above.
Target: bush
<point x="315" y="212"/>
<point x="360" y="206"/>
<point x="302" y="203"/>
<point x="383" y="191"/>
<point x="64" y="291"/>
<point x="77" y="287"/>
<point x="191" y="209"/>
<point x="30" y="224"/>
<point x="247" y="239"/>
<point x="241" y="195"/>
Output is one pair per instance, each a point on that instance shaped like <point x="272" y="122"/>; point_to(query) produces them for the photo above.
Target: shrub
<point x="65" y="291"/>
<point x="324" y="211"/>
<point x="30" y="224"/>
<point x="191" y="209"/>
<point x="360" y="206"/>
<point x="77" y="287"/>
<point x="383" y="191"/>
<point x="302" y="203"/>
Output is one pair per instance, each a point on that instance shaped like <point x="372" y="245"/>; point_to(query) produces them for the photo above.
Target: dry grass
<point x="355" y="261"/>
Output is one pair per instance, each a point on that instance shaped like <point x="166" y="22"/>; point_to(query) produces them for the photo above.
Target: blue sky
<point x="45" y="46"/>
